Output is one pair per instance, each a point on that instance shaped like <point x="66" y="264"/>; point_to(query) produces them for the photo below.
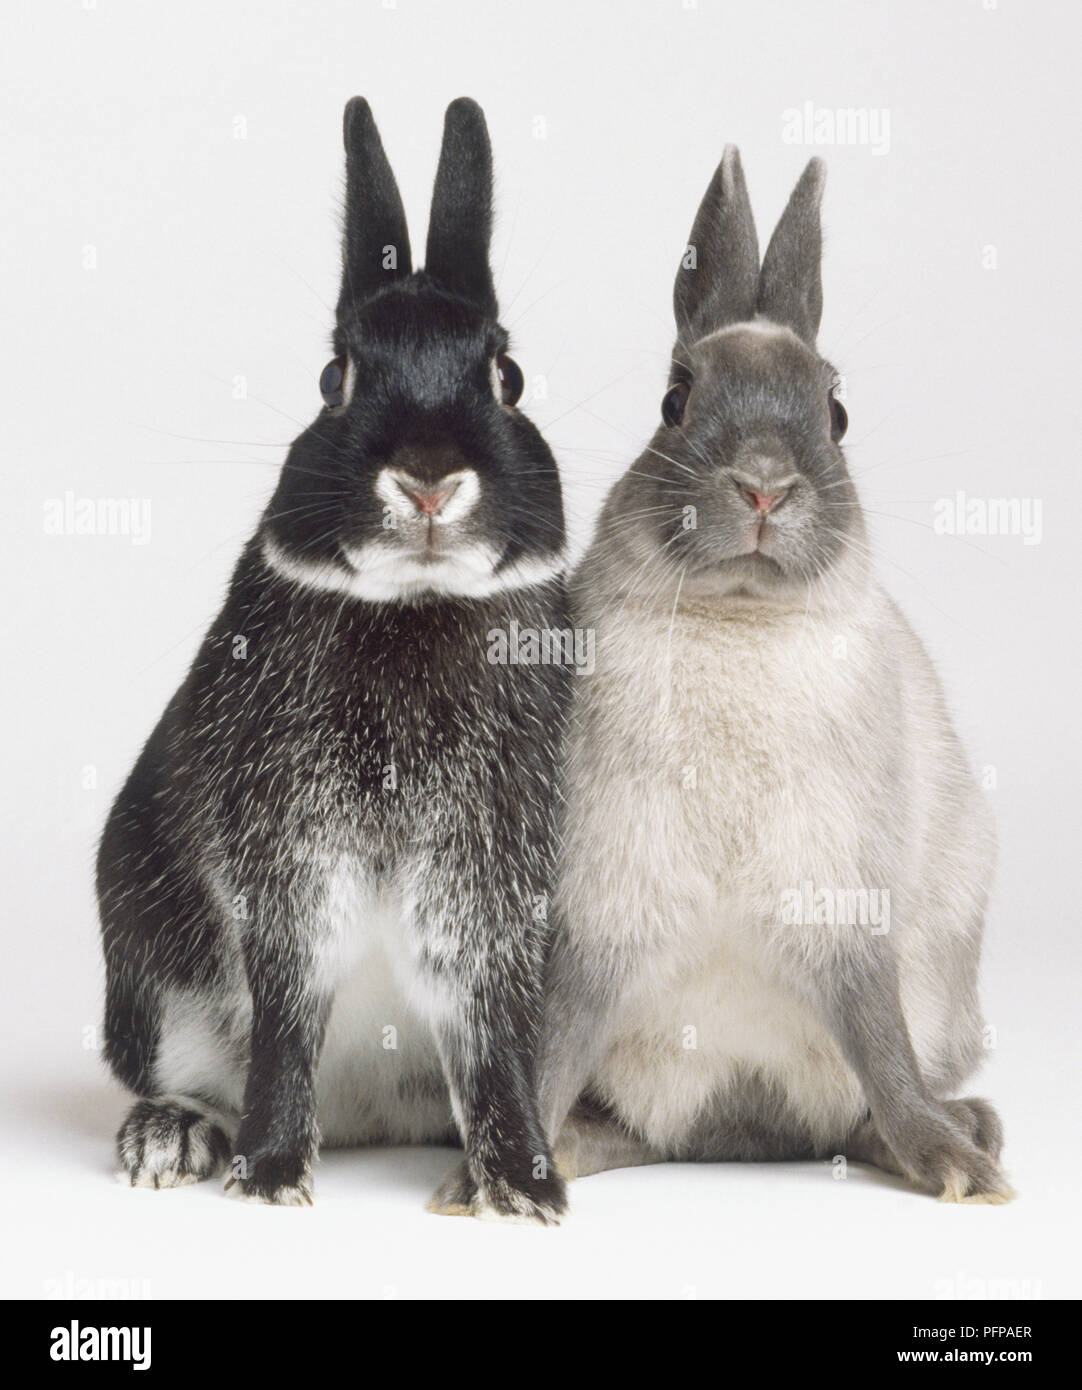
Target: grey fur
<point x="791" y="282"/>
<point x="681" y="1001"/>
<point x="719" y="272"/>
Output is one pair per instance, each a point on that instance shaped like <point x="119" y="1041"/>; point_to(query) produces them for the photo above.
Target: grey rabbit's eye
<point x="839" y="418"/>
<point x="332" y="380"/>
<point x="673" y="403"/>
<point x="511" y="381"/>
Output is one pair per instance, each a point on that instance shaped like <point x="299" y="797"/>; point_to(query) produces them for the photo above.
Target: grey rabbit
<point x="775" y="856"/>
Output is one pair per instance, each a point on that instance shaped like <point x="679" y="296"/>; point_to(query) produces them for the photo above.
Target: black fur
<point x="322" y="734"/>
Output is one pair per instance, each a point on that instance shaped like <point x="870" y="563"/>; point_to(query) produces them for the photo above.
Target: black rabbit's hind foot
<point x="171" y="1141"/>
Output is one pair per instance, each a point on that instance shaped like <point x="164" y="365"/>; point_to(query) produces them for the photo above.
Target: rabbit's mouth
<point x="750" y="574"/>
<point x="755" y="562"/>
<point x="454" y="566"/>
<point x="457" y="568"/>
<point x="432" y="552"/>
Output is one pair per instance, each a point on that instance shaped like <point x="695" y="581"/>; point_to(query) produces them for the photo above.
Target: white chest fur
<point x="716" y="784"/>
<point x="379" y="1076"/>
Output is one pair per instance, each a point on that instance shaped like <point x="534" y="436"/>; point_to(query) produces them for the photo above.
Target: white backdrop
<point x="172" y="178"/>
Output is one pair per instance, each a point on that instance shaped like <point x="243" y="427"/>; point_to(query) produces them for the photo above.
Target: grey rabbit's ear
<point x="376" y="246"/>
<point x="791" y="283"/>
<point x="460" y="223"/>
<point x="719" y="271"/>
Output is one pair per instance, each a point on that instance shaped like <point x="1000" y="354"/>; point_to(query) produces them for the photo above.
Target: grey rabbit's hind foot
<point x="951" y="1150"/>
<point x="981" y="1122"/>
<point x="171" y="1141"/>
<point x="456" y="1194"/>
<point x="591" y="1142"/>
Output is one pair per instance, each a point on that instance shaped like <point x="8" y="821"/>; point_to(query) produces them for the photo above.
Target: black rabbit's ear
<point x="719" y="270"/>
<point x="376" y="246"/>
<point x="460" y="223"/>
<point x="791" y="283"/>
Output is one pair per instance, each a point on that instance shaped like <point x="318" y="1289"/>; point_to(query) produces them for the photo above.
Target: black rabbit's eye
<point x="511" y="382"/>
<point x="673" y="403"/>
<point x="839" y="418"/>
<point x="332" y="382"/>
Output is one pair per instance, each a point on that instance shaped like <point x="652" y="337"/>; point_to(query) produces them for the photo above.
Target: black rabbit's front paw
<point x="540" y="1201"/>
<point x="273" y="1179"/>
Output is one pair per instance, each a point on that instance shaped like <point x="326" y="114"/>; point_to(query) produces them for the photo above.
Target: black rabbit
<point x="323" y="888"/>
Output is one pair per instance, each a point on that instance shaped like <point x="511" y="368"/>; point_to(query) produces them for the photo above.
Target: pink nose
<point x="428" y="503"/>
<point x="763" y="501"/>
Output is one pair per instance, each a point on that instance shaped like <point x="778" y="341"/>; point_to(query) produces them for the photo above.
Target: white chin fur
<point x="381" y="577"/>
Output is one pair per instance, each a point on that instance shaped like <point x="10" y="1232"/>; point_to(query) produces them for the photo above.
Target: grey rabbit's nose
<point x="764" y="501"/>
<point x="764" y="488"/>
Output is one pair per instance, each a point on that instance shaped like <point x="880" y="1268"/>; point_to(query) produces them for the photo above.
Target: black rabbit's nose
<point x="438" y="499"/>
<point x="428" y="499"/>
